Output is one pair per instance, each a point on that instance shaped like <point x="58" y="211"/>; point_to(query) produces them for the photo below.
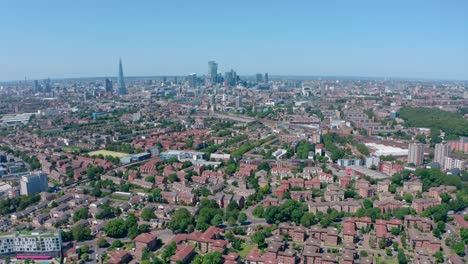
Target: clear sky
<point x="85" y="38"/>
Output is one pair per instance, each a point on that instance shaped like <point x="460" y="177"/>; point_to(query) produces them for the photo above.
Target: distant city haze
<point x="86" y="38"/>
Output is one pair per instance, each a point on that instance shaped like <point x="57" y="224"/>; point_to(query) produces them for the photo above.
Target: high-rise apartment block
<point x="416" y="153"/>
<point x="441" y="151"/>
<point x="34" y="182"/>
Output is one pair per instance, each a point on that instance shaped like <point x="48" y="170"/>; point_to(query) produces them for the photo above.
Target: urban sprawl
<point x="222" y="168"/>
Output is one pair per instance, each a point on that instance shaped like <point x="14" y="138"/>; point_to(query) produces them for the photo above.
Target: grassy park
<point x="108" y="153"/>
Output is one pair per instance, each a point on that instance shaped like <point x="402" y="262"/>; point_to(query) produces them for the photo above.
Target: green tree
<point x="408" y="197"/>
<point x="83" y="249"/>
<point x="258" y="211"/>
<point x="147" y="214"/>
<point x="149" y="179"/>
<point x="212" y="258"/>
<point x="173" y="178"/>
<point x="459" y="248"/>
<point x="368" y="204"/>
<point x="81" y="213"/>
<point x="180" y="220"/>
<point x="395" y="231"/>
<point x="115" y="228"/>
<point x="102" y="242"/>
<point x="145" y="254"/>
<point x="308" y="219"/>
<point x="259" y="238"/>
<point x="232" y="220"/>
<point x="81" y="233"/>
<point x="217" y="220"/>
<point x="169" y="251"/>
<point x="439" y="256"/>
<point x="117" y="243"/>
<point x="242" y="218"/>
<point x="402" y="257"/>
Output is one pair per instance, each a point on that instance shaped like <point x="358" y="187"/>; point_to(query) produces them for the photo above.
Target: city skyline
<point x="420" y="40"/>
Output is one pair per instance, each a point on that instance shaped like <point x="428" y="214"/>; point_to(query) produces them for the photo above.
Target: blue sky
<point x="83" y="38"/>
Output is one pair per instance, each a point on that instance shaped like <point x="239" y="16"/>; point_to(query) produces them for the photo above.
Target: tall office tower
<point x="213" y="71"/>
<point x="231" y="78"/>
<point x="34" y="182"/>
<point x="416" y="153"/>
<point x="175" y="80"/>
<point x="441" y="151"/>
<point x="36" y="86"/>
<point x="259" y="77"/>
<point x="266" y="78"/>
<point x="47" y="86"/>
<point x="108" y="85"/>
<point x="122" y="87"/>
<point x="239" y="101"/>
<point x="192" y="80"/>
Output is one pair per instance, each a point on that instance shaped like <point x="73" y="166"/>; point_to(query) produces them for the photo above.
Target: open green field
<point x="120" y="197"/>
<point x="108" y="153"/>
<point x="71" y="149"/>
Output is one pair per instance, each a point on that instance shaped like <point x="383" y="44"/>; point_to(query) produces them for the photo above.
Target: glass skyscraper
<point x="213" y="71"/>
<point x="122" y="87"/>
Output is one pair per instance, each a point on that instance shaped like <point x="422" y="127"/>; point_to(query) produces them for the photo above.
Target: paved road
<point x="252" y="219"/>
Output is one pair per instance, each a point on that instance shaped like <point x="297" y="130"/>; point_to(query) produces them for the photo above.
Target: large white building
<point x="15" y="119"/>
<point x="34" y="182"/>
<point x="31" y="243"/>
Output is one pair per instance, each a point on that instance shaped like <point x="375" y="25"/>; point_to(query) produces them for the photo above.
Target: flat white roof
<point x="382" y="150"/>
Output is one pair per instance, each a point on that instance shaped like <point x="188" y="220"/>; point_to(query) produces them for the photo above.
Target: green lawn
<point x="246" y="248"/>
<point x="70" y="149"/>
<point x="120" y="197"/>
<point x="108" y="153"/>
<point x="386" y="260"/>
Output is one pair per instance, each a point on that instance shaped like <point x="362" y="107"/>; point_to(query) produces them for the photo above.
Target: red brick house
<point x="120" y="257"/>
<point x="349" y="232"/>
<point x="345" y="182"/>
<point x="426" y="241"/>
<point x="420" y="204"/>
<point x="183" y="254"/>
<point x="145" y="240"/>
<point x="312" y="184"/>
<point x="425" y="224"/>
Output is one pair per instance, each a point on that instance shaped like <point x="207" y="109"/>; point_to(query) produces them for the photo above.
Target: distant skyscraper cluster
<point x="192" y="80"/>
<point x="230" y="78"/>
<point x="46" y="86"/>
<point x="259" y="78"/>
